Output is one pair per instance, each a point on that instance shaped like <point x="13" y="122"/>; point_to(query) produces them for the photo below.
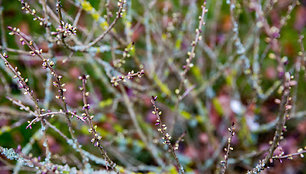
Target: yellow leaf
<point x="186" y="115"/>
<point x="217" y="106"/>
<point x="86" y="6"/>
<point x="164" y="88"/>
<point x="96" y="16"/>
<point x="84" y="130"/>
<point x="106" y="102"/>
<point x="104" y="25"/>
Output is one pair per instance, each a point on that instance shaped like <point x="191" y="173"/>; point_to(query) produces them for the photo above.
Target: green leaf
<point x="164" y="88"/>
<point x="218" y="106"/>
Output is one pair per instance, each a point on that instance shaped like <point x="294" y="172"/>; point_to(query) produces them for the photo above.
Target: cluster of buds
<point x="13" y="30"/>
<point x="126" y="54"/>
<point x="64" y="30"/>
<point x="27" y="91"/>
<point x="162" y="128"/>
<point x="60" y="97"/>
<point x="38" y="116"/>
<point x="17" y="75"/>
<point x="119" y="62"/>
<point x="85" y="116"/>
<point x="166" y="138"/>
<point x="120" y="4"/>
<point x="42" y="113"/>
<point x="231" y="130"/>
<point x="55" y="84"/>
<point x="274" y="32"/>
<point x="25" y="40"/>
<point x="259" y="167"/>
<point x="35" y="52"/>
<point x="290" y="82"/>
<point x="30" y="160"/>
<point x="115" y="80"/>
<point x="198" y="37"/>
<point x="300" y="152"/>
<point x="165" y="135"/>
<point x="26" y="7"/>
<point x="96" y="139"/>
<point x="85" y="93"/>
<point x="285" y="107"/>
<point x="60" y="86"/>
<point x="30" y="123"/>
<point x="171" y="25"/>
<point x="180" y="139"/>
<point x="47" y="63"/>
<point x="20" y="104"/>
<point x="74" y="114"/>
<point x="83" y="77"/>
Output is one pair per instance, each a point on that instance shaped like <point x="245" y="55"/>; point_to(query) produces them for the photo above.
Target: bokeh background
<point x="223" y="86"/>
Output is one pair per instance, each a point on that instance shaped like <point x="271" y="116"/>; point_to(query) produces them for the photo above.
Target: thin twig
<point x="97" y="139"/>
<point x="166" y="137"/>
<point x="227" y="149"/>
<point x="119" y="14"/>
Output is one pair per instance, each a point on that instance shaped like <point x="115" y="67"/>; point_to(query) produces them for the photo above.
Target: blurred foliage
<point x="162" y="32"/>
